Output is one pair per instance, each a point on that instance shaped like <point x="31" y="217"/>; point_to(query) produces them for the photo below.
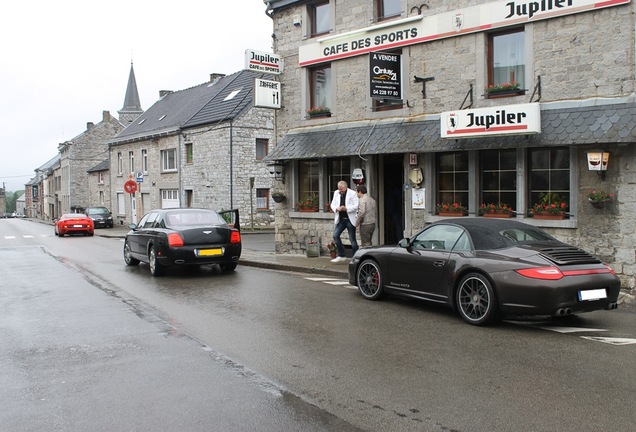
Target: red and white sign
<point x="259" y="61"/>
<point x="130" y="186"/>
<point x="524" y="119"/>
<point x="420" y="29"/>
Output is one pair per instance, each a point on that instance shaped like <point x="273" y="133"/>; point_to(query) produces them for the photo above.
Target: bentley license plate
<point x="592" y="294"/>
<point x="208" y="252"/>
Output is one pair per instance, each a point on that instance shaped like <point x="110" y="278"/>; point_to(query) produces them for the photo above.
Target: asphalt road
<point x="85" y="339"/>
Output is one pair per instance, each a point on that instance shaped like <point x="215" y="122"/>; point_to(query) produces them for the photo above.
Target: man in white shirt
<point x="345" y="206"/>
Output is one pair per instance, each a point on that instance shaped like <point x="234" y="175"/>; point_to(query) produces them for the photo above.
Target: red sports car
<point x="74" y="223"/>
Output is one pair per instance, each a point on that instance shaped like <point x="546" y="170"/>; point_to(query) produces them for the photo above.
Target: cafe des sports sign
<point x="420" y="29"/>
<point x="522" y="119"/>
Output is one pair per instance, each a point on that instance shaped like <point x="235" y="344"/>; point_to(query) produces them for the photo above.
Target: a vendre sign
<point x="523" y="119"/>
<point x="419" y="29"/>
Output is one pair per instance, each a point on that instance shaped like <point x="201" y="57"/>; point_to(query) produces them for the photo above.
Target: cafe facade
<point x="506" y="109"/>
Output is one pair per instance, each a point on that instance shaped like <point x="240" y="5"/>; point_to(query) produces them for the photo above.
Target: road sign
<point x="139" y="176"/>
<point x="130" y="186"/>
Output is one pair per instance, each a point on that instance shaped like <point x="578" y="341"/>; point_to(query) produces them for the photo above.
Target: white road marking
<point x="332" y="281"/>
<point x="9" y="237"/>
<point x="571" y="329"/>
<point x="28" y="236"/>
<point x="611" y="341"/>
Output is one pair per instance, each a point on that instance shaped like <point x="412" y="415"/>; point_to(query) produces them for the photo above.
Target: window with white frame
<point x="498" y="171"/>
<point x="120" y="163"/>
<point x="100" y="177"/>
<point x="121" y="204"/>
<point x="169" y="198"/>
<point x="144" y="161"/>
<point x="452" y="178"/>
<point x="131" y="161"/>
<point x="169" y="160"/>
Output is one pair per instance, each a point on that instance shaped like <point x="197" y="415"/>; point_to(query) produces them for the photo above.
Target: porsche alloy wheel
<point x="156" y="269"/>
<point x="128" y="258"/>
<point x="369" y="280"/>
<point x="476" y="300"/>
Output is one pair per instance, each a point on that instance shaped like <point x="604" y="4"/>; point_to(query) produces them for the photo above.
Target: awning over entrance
<point x="562" y="124"/>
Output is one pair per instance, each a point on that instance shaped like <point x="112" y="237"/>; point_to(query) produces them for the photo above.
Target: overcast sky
<point x="64" y="62"/>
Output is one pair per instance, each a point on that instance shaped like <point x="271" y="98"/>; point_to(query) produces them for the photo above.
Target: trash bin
<point x="313" y="250"/>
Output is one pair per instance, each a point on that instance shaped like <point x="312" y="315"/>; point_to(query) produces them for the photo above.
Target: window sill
<point x="311" y="215"/>
<point x="571" y="223"/>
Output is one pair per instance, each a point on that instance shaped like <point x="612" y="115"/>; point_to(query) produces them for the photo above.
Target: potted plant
<point x="278" y="197"/>
<point x="505" y="89"/>
<point x="308" y="204"/>
<point x="320" y="111"/>
<point x="451" y="209"/>
<point x="598" y="198"/>
<point x="550" y="206"/>
<point x="332" y="249"/>
<point x="495" y="210"/>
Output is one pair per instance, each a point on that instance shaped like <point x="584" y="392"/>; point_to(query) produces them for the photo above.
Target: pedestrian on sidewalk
<point x="345" y="206"/>
<point x="366" y="218"/>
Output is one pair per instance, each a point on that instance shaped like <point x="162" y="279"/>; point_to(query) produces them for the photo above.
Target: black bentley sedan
<point x="486" y="268"/>
<point x="187" y="236"/>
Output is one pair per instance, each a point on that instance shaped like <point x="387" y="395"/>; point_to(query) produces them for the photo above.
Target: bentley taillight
<point x="235" y="237"/>
<point x="175" y="240"/>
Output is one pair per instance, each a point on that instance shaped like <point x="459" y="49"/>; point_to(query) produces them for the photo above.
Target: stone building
<point x="99" y="185"/>
<point x="80" y="154"/>
<point x="199" y="147"/>
<point x="439" y="103"/>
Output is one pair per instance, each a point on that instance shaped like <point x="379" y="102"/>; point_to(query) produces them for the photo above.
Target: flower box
<point x="505" y="93"/>
<point x="317" y="115"/>
<point x="451" y="214"/>
<point x="497" y="215"/>
<point x="278" y="198"/>
<point x="549" y="216"/>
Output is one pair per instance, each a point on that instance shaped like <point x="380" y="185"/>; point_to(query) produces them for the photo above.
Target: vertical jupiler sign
<point x="386" y="75"/>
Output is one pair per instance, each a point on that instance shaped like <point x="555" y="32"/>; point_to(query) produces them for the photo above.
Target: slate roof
<point x="131" y="100"/>
<point x="195" y="106"/>
<point x="102" y="166"/>
<point x="562" y="124"/>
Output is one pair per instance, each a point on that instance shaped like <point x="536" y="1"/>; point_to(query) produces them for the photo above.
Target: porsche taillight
<point x="175" y="240"/>
<point x="235" y="237"/>
<point x="545" y="273"/>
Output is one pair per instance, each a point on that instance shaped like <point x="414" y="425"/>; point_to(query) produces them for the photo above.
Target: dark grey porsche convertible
<point x="487" y="268"/>
<point x="184" y="237"/>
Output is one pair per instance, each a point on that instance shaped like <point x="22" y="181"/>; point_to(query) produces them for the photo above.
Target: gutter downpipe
<point x="231" y="166"/>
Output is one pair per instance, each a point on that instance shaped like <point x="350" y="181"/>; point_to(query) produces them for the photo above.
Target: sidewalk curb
<point x="297" y="269"/>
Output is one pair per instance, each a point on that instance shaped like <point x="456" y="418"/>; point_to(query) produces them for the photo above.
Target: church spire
<point x="132" y="106"/>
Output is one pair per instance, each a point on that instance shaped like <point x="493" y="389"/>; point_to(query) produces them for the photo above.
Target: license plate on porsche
<point x="208" y="252"/>
<point x="595" y="294"/>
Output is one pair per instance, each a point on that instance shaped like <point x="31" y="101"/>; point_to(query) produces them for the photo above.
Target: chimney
<point x="216" y="76"/>
<point x="162" y="93"/>
<point x="105" y="116"/>
<point x="89" y="126"/>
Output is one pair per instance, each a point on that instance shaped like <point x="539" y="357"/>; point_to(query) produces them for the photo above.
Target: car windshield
<point x="193" y="218"/>
<point x="97" y="211"/>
